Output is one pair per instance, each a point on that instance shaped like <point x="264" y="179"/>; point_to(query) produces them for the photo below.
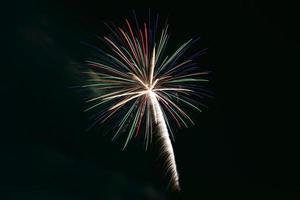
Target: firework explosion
<point x="142" y="88"/>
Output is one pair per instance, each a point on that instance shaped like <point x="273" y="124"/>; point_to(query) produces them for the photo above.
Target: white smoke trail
<point x="163" y="137"/>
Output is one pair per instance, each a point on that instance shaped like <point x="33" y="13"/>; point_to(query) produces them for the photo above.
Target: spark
<point x="143" y="88"/>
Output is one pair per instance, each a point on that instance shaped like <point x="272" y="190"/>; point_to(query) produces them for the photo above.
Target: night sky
<point x="244" y="146"/>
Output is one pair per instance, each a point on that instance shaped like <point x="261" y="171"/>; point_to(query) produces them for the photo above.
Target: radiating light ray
<point x="143" y="85"/>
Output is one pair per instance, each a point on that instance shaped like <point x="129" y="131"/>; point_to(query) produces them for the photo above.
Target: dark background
<point x="243" y="146"/>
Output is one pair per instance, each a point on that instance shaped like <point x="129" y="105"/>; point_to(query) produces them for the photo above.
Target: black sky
<point x="243" y="146"/>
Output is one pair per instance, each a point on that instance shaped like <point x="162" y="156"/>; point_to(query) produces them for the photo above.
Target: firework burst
<point x="142" y="88"/>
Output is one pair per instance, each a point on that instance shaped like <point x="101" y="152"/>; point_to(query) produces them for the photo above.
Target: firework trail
<point x="142" y="87"/>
